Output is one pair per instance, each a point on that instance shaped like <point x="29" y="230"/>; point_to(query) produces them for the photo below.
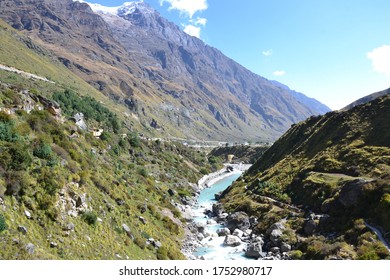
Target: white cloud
<point x="267" y="52"/>
<point x="380" y="58"/>
<point x="189" y="7"/>
<point x="192" y="30"/>
<point x="201" y="21"/>
<point x="279" y="73"/>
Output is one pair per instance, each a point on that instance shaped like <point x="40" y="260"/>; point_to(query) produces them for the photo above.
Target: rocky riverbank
<point x="232" y="233"/>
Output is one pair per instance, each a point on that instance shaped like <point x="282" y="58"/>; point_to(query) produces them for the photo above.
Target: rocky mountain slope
<point x="367" y="98"/>
<point x="172" y="84"/>
<point x="68" y="193"/>
<point x="326" y="179"/>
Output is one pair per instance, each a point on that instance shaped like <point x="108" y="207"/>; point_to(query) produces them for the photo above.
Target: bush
<point x="143" y="172"/>
<point x="21" y="158"/>
<point x="3" y="224"/>
<point x="71" y="104"/>
<point x="162" y="253"/>
<point x="51" y="179"/>
<point x="42" y="150"/>
<point x="90" y="218"/>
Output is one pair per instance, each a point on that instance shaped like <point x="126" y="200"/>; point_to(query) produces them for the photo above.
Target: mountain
<point x="367" y="99"/>
<point x="308" y="101"/>
<point x="67" y="194"/>
<point x="327" y="181"/>
<point x="173" y="84"/>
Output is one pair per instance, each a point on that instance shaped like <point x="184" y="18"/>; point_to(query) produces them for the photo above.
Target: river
<point x="212" y="245"/>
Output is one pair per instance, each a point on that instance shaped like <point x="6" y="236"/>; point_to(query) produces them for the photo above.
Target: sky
<point x="335" y="51"/>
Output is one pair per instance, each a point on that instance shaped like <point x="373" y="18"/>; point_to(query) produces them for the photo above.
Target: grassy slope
<point x="122" y="180"/>
<point x="312" y="165"/>
<point x="16" y="50"/>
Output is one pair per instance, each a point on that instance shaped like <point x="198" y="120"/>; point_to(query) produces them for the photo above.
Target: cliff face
<point x="142" y="60"/>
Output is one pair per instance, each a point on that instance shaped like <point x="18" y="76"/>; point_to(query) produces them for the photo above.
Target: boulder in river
<point x="223" y="232"/>
<point x="238" y="220"/>
<point x="232" y="241"/>
<point x="239" y="233"/>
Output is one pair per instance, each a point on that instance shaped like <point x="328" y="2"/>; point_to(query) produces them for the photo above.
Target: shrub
<point x="3" y="224"/>
<point x="21" y="158"/>
<point x="134" y="140"/>
<point x="42" y="150"/>
<point x="90" y="218"/>
<point x="140" y="242"/>
<point x="51" y="179"/>
<point x="143" y="172"/>
<point x="162" y="253"/>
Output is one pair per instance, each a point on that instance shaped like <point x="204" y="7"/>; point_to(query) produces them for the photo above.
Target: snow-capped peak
<point x="122" y="10"/>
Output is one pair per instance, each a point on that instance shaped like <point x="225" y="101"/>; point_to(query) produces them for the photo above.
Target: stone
<point x="157" y="244"/>
<point x="223" y="216"/>
<point x="200" y="227"/>
<point x="275" y="235"/>
<point x="351" y="193"/>
<point x="223" y="232"/>
<point x="69" y="226"/>
<point x="238" y="220"/>
<point x="142" y="219"/>
<point x="217" y="196"/>
<point x="200" y="236"/>
<point x="125" y="228"/>
<point x="30" y="248"/>
<point x="99" y="220"/>
<point x="15" y="241"/>
<point x="310" y="227"/>
<point x="53" y="245"/>
<point x="120" y="202"/>
<point x="28" y="214"/>
<point x="232" y="241"/>
<point x="284" y="247"/>
<point x="254" y="250"/>
<point x="217" y="209"/>
<point x="239" y="233"/>
<point x="22" y="229"/>
<point x="279" y="226"/>
<point x="81" y="200"/>
<point x="275" y="250"/>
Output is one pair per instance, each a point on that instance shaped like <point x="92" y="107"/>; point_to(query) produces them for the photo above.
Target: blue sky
<point x="333" y="50"/>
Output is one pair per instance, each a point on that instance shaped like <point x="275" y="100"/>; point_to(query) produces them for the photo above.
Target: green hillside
<point x="336" y="166"/>
<point x="65" y="194"/>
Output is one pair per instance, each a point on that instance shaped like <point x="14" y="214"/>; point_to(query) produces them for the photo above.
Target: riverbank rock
<point x="238" y="220"/>
<point x="223" y="232"/>
<point x="310" y="227"/>
<point x="231" y="241"/>
<point x="200" y="227"/>
<point x="217" y="209"/>
<point x="254" y="250"/>
<point x="239" y="233"/>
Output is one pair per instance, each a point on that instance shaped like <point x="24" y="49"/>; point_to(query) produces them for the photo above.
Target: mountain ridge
<point x="191" y="89"/>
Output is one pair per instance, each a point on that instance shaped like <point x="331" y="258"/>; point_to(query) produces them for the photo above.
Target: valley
<point x="122" y="137"/>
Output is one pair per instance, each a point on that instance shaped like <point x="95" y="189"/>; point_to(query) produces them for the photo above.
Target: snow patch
<point x="122" y="10"/>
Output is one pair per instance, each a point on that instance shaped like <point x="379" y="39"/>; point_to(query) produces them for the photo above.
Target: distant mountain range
<point x="172" y="84"/>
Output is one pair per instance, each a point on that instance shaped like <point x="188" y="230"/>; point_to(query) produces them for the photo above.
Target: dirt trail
<point x="23" y="73"/>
